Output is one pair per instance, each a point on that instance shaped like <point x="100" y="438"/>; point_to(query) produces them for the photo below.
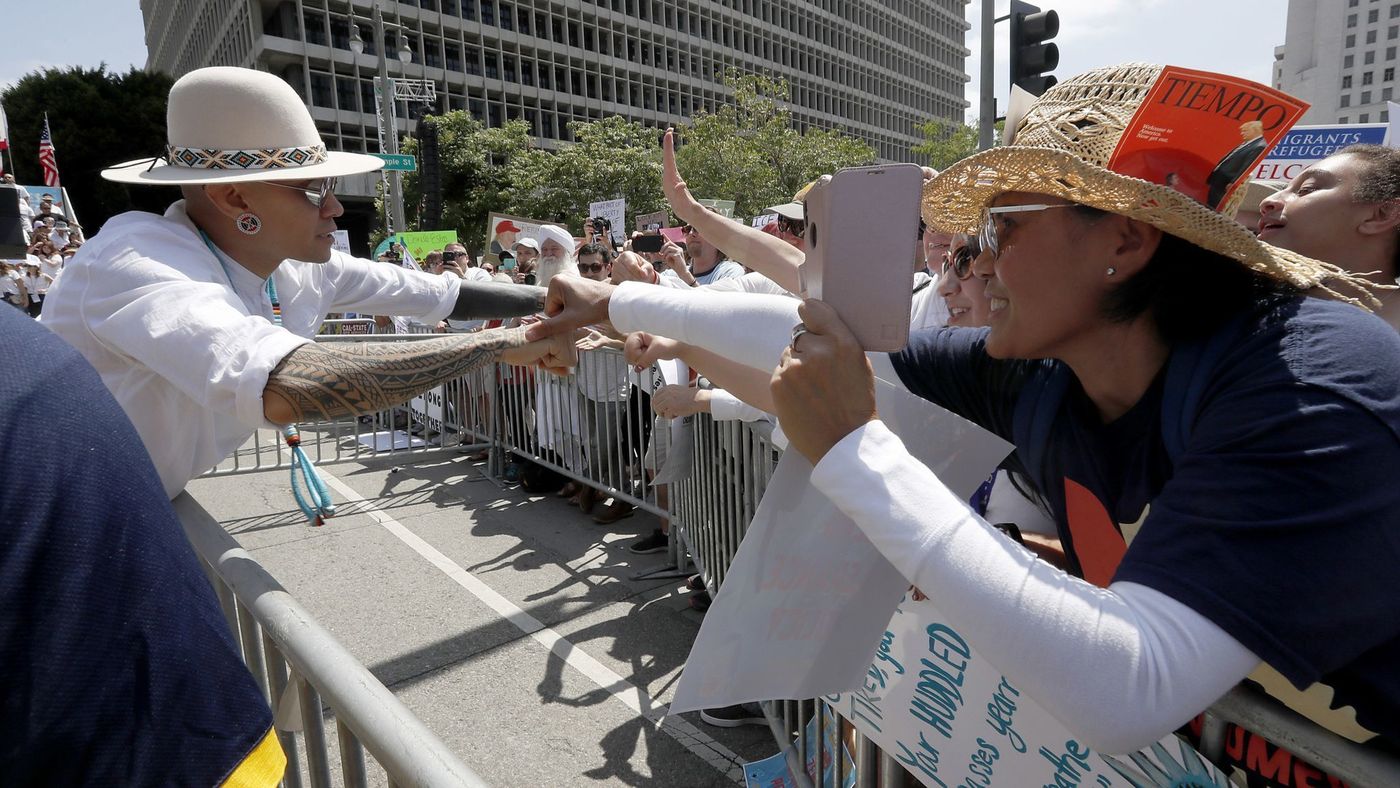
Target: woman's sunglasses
<point x="960" y="262"/>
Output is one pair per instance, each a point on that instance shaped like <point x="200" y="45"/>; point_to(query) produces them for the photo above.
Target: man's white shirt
<point x="185" y="339"/>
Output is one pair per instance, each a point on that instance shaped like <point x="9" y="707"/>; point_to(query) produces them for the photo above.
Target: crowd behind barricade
<point x="51" y="239"/>
<point x="1218" y="387"/>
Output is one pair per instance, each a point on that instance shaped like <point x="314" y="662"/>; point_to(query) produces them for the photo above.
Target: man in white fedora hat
<point x="199" y="320"/>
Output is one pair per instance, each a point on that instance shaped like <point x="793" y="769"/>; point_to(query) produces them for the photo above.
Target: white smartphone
<point x="861" y="243"/>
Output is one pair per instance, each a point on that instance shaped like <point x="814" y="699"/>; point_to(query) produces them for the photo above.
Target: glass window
<point x="1348" y="61"/>
<point x="1365" y="97"/>
<point x="1351" y="20"/>
<point x="1389" y="74"/>
<point x="1369" y="58"/>
<point x="1366" y="77"/>
<point x="1364" y="118"/>
<point x="1350" y="40"/>
<point x="1346" y="81"/>
<point x="1370" y="36"/>
<point x="1373" y="16"/>
<point x="1346" y="100"/>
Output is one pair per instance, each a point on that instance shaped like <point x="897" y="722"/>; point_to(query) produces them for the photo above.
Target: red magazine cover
<point x="1202" y="133"/>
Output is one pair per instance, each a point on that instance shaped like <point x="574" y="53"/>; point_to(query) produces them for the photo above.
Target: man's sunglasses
<point x="960" y="262"/>
<point x="316" y="192"/>
<point x="794" y="226"/>
<point x="591" y="268"/>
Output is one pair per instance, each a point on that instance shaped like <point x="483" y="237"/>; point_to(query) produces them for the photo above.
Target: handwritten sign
<point x="952" y="719"/>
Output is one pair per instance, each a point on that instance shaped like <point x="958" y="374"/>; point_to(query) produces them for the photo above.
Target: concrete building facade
<point x="1340" y="56"/>
<point x="876" y="69"/>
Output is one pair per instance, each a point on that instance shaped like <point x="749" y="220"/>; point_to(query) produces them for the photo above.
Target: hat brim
<point x="954" y="201"/>
<point x="788" y="210"/>
<point x="156" y="172"/>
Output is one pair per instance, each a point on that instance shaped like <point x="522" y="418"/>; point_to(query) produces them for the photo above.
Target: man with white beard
<point x="559" y="421"/>
<point x="556" y="255"/>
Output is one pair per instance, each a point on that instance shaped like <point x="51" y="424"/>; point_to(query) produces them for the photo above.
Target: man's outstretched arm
<point x="333" y="380"/>
<point x="477" y="300"/>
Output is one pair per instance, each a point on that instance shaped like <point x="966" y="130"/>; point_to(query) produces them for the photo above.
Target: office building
<point x="877" y="69"/>
<point x="1340" y="56"/>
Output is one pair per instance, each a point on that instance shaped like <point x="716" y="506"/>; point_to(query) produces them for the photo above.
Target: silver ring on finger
<point x="797" y="332"/>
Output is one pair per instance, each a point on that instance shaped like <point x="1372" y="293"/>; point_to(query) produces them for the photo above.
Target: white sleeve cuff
<point x="748" y="328"/>
<point x="727" y="407"/>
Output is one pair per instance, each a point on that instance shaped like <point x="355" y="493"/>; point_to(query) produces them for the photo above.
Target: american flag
<point x="46" y="155"/>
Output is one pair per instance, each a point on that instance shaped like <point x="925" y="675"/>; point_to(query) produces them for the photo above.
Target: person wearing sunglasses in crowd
<point x="1210" y="441"/>
<point x="200" y="320"/>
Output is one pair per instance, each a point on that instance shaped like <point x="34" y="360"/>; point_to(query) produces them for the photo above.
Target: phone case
<point x="861" y="243"/>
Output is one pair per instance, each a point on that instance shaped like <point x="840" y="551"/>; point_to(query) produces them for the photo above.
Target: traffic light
<point x="1031" y="57"/>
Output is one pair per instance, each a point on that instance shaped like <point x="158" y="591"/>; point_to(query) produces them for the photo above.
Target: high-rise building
<point x="875" y="69"/>
<point x="1340" y="56"/>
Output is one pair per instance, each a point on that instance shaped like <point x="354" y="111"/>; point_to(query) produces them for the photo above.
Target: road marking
<point x="620" y="689"/>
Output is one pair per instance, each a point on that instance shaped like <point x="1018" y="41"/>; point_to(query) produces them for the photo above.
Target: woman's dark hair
<point x="1189" y="292"/>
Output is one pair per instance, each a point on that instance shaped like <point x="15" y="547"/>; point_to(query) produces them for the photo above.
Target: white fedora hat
<point x="234" y="125"/>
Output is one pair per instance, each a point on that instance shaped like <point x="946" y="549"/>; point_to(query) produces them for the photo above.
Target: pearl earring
<point x="1112" y="271"/>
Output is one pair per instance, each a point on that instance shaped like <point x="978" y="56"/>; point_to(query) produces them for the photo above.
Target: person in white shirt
<point x="36" y="284"/>
<point x="200" y="320"/>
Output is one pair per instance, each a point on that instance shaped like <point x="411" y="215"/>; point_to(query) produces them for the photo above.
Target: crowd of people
<point x="1206" y="411"/>
<point x="51" y="240"/>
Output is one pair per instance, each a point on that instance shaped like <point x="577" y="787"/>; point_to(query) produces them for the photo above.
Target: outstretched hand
<point x="676" y="402"/>
<point x="642" y="349"/>
<point x="630" y="267"/>
<point x="555" y="354"/>
<point x="677" y="194"/>
<point x="823" y="388"/>
<point x="571" y="303"/>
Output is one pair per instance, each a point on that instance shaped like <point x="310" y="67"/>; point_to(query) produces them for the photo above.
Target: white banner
<point x="614" y="211"/>
<point x="807" y="597"/>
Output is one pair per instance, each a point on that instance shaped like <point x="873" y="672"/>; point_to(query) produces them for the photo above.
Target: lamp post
<point x="387" y="130"/>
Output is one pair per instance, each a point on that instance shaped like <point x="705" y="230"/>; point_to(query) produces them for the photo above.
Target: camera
<point x="449" y="256"/>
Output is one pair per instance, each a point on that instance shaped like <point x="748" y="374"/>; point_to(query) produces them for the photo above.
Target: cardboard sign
<point x="724" y="208"/>
<point x="614" y="211"/>
<point x="340" y="241"/>
<point x="503" y="230"/>
<point x="421" y="243"/>
<point x="1202" y="133"/>
<point x="653" y="222"/>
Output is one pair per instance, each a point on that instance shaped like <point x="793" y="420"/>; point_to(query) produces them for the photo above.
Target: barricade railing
<point x="307" y="676"/>
<point x="732" y="465"/>
<point x="596" y="427"/>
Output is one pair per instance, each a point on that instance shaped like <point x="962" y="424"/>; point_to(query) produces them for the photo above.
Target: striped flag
<point x="4" y="131"/>
<point x="46" y="155"/>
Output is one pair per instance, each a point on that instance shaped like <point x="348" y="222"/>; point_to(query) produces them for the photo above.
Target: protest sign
<point x="945" y="712"/>
<point x="653" y="222"/>
<point x="806" y="599"/>
<point x="724" y="208"/>
<point x="503" y="230"/>
<point x="1202" y="133"/>
<point x="420" y="243"/>
<point x="37" y="194"/>
<point x="765" y="219"/>
<point x="340" y="241"/>
<point x="1304" y="145"/>
<point x="615" y="211"/>
<point x="776" y="771"/>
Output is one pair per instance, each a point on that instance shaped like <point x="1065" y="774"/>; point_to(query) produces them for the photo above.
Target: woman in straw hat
<point x="1166" y="386"/>
<point x="199" y="320"/>
<point x="1344" y="209"/>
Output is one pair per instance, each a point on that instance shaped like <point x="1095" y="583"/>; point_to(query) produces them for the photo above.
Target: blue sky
<point x="1234" y="36"/>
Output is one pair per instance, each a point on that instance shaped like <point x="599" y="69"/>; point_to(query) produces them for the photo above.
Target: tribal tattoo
<point x="332" y="380"/>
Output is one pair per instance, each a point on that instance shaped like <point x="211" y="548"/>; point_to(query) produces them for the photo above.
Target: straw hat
<point x="1062" y="147"/>
<point x="235" y="125"/>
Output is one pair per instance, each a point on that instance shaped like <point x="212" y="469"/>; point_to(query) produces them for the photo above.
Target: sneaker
<point x="734" y="716"/>
<point x="657" y="542"/>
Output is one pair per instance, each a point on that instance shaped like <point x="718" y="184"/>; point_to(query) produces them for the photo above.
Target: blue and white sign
<point x="1304" y="145"/>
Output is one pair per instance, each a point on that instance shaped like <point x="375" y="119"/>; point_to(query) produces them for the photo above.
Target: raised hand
<point x="677" y="194"/>
<point x="823" y="388"/>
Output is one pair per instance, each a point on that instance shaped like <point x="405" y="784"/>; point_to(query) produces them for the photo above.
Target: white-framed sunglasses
<point x="315" y="194"/>
<point x="988" y="234"/>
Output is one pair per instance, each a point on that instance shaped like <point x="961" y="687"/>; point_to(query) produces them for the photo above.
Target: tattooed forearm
<point x="328" y="381"/>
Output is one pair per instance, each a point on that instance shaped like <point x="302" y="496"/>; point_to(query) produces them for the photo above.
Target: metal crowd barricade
<point x="306" y="675"/>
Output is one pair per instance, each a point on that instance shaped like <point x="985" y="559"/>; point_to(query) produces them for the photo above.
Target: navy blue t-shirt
<point x="1278" y="518"/>
<point x="116" y="664"/>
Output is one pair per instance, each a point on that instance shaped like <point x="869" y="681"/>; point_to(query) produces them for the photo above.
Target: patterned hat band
<point x="254" y="159"/>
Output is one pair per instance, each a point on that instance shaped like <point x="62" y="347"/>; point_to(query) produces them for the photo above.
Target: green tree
<point x="97" y="119"/>
<point x="611" y="158"/>
<point x="945" y="142"/>
<point x="475" y="162"/>
<point x="748" y="150"/>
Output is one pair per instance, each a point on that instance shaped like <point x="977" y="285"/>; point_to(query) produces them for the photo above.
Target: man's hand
<point x="572" y="302"/>
<point x="642" y="349"/>
<point x="677" y="194"/>
<point x="823" y="388"/>
<point x="630" y="267"/>
<point x="554" y="354"/>
<point x="593" y="339"/>
<point x="677" y="402"/>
